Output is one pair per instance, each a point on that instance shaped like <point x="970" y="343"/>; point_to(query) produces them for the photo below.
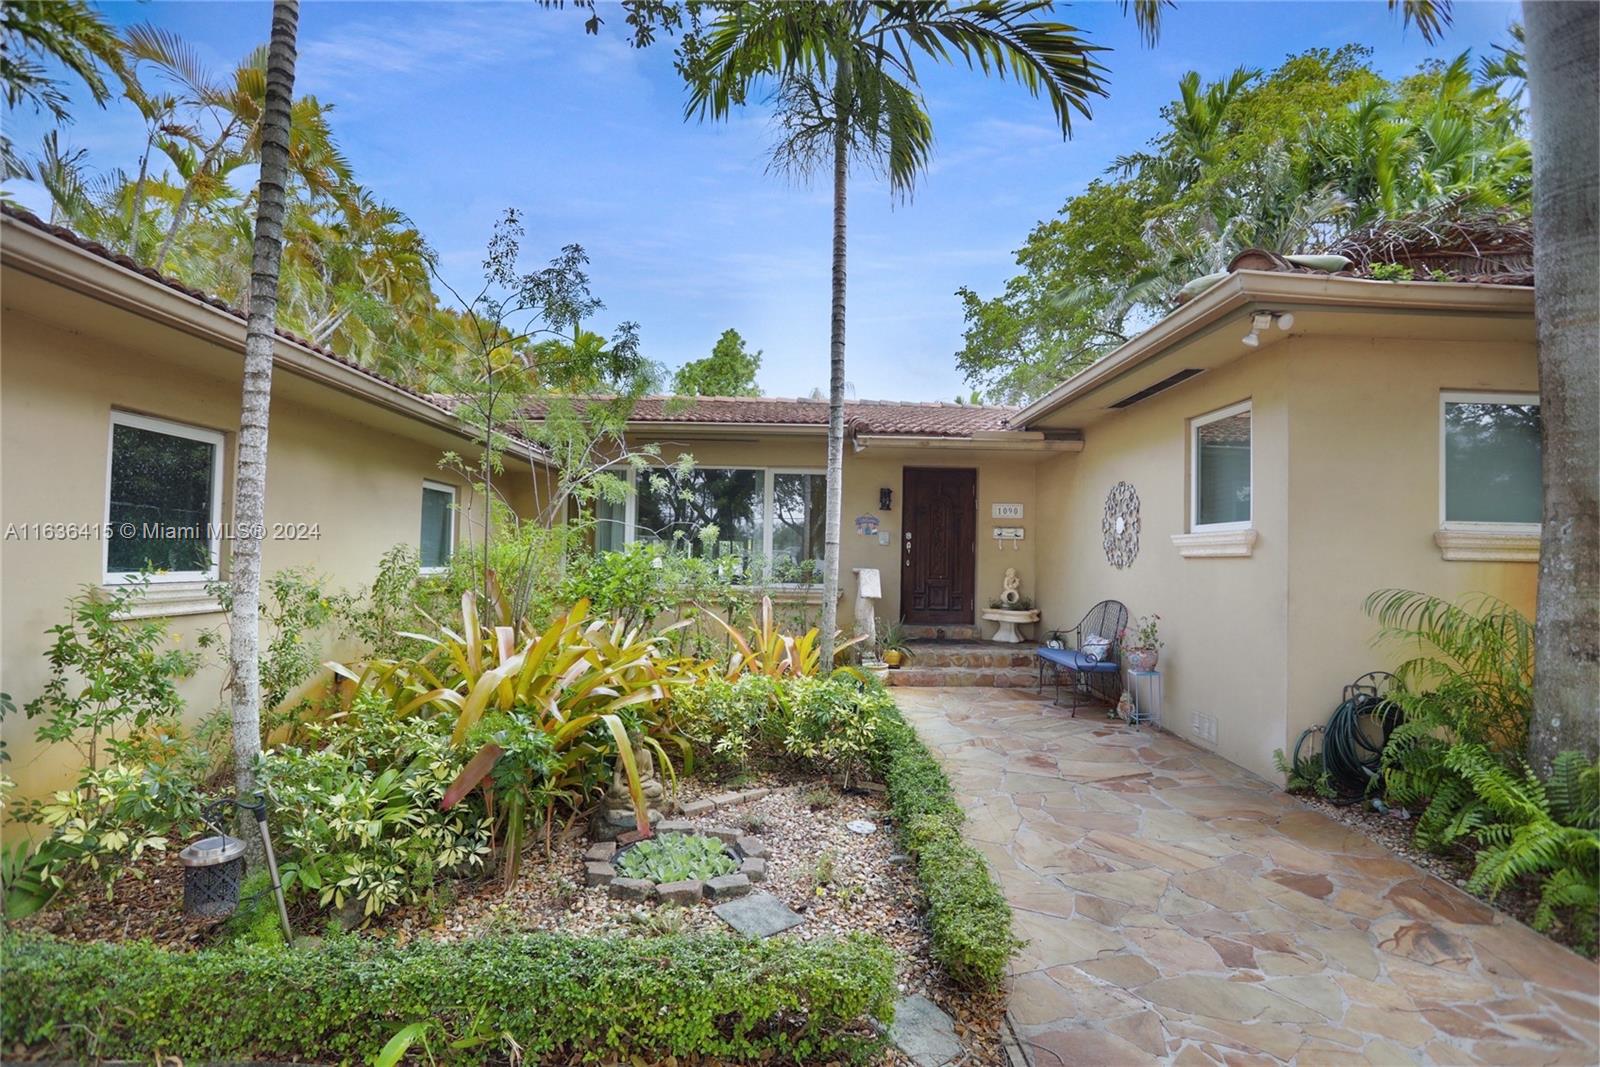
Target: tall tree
<point x="1563" y="72"/>
<point x="730" y="370"/>
<point x="847" y="90"/>
<point x="66" y="32"/>
<point x="1288" y="161"/>
<point x="250" y="473"/>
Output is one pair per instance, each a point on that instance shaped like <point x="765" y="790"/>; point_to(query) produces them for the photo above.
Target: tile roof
<point x="923" y="419"/>
<point x="94" y="248"/>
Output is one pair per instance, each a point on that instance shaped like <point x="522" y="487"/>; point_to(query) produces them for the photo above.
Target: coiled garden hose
<point x="1352" y="742"/>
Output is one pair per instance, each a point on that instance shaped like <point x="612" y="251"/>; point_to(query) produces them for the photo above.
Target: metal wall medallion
<point x="1121" y="525"/>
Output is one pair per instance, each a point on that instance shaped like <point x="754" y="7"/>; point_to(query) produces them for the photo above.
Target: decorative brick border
<point x="600" y="867"/>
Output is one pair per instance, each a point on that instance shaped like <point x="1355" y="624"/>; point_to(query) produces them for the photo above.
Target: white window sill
<point x="1216" y="544"/>
<point x="789" y="592"/>
<point x="1488" y="543"/>
<point x="163" y="600"/>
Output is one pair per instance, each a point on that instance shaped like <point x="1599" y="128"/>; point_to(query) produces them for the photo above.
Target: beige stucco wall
<point x="1364" y="492"/>
<point x="1224" y="620"/>
<point x="1346" y="501"/>
<point x="1002" y="478"/>
<point x="333" y="460"/>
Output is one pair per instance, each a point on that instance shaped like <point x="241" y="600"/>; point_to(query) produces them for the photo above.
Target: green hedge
<point x="968" y="915"/>
<point x="602" y="998"/>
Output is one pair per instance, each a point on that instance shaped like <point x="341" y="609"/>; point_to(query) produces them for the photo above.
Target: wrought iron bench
<point x="1089" y="677"/>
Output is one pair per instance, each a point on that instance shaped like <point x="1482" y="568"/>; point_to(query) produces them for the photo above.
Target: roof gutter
<point x="1246" y="288"/>
<point x="48" y="257"/>
<point x="987" y="441"/>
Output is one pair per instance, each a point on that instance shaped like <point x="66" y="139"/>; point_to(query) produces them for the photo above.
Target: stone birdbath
<point x="1009" y="612"/>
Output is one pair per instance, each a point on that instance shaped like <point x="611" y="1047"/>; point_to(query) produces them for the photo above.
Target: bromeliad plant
<point x="767" y="650"/>
<point x="543" y="713"/>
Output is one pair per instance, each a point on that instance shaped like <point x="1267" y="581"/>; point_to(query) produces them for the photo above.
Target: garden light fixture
<point x="213" y="867"/>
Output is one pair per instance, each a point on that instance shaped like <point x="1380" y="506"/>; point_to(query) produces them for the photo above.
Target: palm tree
<point x="847" y="90"/>
<point x="1563" y="87"/>
<point x="250" y="477"/>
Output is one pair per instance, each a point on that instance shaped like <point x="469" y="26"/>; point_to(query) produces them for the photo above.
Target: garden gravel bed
<point x="840" y="881"/>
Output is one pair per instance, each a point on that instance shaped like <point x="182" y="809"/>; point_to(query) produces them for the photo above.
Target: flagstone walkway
<point x="1179" y="910"/>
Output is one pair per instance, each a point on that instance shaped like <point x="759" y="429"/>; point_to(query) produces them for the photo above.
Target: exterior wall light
<point x="885" y="499"/>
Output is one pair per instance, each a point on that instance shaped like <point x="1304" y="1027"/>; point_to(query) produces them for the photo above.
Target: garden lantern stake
<point x="213" y="868"/>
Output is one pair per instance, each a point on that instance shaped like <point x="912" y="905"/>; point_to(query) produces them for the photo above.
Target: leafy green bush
<point x="1529" y="829"/>
<point x="728" y="721"/>
<point x="676" y="858"/>
<point x="553" y="995"/>
<point x="833" y="722"/>
<point x="1467" y="698"/>
<point x="113" y="695"/>
<point x="969" y="918"/>
<point x="359" y="820"/>
<point x="647" y="581"/>
<point x="1469" y="683"/>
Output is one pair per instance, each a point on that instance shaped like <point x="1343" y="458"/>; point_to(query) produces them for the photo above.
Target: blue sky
<point x="452" y="112"/>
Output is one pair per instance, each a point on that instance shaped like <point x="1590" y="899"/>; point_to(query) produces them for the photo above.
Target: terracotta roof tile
<point x="928" y="419"/>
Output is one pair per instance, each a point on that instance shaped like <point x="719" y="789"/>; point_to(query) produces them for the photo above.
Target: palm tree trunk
<point x="250" y="477"/>
<point x="835" y="475"/>
<point x="1563" y="86"/>
<point x="137" y="207"/>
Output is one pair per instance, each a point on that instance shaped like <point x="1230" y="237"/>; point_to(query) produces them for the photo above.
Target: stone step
<point x="983" y="655"/>
<point x="1003" y="678"/>
<point x="944" y="632"/>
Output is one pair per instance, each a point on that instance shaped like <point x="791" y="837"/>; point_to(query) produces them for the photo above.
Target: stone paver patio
<point x="1179" y="910"/>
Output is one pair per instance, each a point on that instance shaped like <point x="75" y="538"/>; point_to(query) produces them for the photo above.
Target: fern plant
<point x="1469" y="681"/>
<point x="1532" y="829"/>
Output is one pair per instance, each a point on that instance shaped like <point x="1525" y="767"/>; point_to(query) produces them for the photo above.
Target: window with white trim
<point x="438" y="540"/>
<point x="1220" y="470"/>
<point x="772" y="513"/>
<point x="1489" y="457"/>
<point x="163" y="500"/>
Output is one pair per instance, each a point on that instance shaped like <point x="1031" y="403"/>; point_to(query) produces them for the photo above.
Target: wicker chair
<point x="1089" y="677"/>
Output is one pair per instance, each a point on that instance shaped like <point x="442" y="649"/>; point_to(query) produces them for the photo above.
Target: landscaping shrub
<point x="554" y="995"/>
<point x="112" y="694"/>
<point x="1467" y="700"/>
<point x="1547" y="831"/>
<point x="358" y="819"/>
<point x="969" y="918"/>
<point x="833" y="722"/>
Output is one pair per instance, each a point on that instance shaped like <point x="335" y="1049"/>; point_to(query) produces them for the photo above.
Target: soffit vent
<point x="1161" y="386"/>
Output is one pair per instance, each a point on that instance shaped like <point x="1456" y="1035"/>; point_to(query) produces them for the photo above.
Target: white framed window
<point x="1221" y="470"/>
<point x="1489" y="462"/>
<point x="163" y="500"/>
<point x="438" y="539"/>
<point x="774" y="512"/>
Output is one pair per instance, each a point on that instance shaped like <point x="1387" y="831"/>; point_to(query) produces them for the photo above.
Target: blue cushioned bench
<point x="1088" y="678"/>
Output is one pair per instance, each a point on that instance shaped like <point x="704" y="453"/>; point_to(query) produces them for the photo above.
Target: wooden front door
<point x="938" y="550"/>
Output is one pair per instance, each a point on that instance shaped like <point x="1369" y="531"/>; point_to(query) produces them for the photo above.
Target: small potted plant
<point x="892" y="642"/>
<point x="1141" y="643"/>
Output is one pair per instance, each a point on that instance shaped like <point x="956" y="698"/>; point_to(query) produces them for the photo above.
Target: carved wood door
<point x="938" y="545"/>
